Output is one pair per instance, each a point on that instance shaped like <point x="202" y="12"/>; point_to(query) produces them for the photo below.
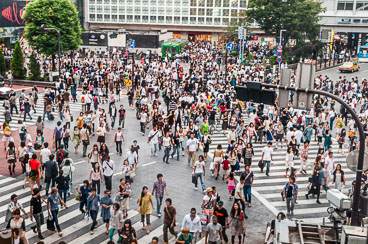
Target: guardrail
<point x="34" y="83"/>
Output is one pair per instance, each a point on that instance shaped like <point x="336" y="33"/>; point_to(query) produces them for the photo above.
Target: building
<point x="187" y="19"/>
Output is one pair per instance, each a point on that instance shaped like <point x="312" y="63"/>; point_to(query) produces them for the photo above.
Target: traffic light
<point x="255" y="38"/>
<point x="252" y="37"/>
<point x="253" y="92"/>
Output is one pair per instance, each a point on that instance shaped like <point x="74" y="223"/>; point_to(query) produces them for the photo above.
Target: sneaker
<point x="60" y="233"/>
<point x="159" y="215"/>
<point x="91" y="232"/>
<point x="292" y="212"/>
<point x="196" y="188"/>
<point x="318" y="202"/>
<point x="249" y="205"/>
<point x="306" y="196"/>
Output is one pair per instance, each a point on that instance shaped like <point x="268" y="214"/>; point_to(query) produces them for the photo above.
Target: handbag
<point x="194" y="179"/>
<point x="50" y="223"/>
<point x="261" y="164"/>
<point x="78" y="197"/>
<point x="132" y="175"/>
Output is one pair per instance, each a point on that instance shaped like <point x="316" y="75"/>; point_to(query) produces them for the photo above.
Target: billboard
<point x="12" y="12"/>
<point x="144" y="41"/>
<point x="94" y="39"/>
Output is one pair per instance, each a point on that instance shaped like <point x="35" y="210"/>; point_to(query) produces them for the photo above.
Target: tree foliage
<point x="300" y="18"/>
<point x="59" y="14"/>
<point x="17" y="62"/>
<point x="34" y="68"/>
<point x="2" y="63"/>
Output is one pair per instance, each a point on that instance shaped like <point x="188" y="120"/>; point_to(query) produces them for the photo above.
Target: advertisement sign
<point x="94" y="39"/>
<point x="12" y="12"/>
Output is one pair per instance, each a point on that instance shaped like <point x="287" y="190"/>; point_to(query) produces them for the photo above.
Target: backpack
<point x="58" y="132"/>
<point x="83" y="99"/>
<point x="299" y="120"/>
<point x="60" y="156"/>
<point x="94" y="99"/>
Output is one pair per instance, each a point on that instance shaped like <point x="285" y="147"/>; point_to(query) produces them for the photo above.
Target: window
<point x="177" y="3"/>
<point x="114" y="1"/>
<point x="209" y="12"/>
<point x="169" y="2"/>
<point x="362" y="5"/>
<point x="137" y="2"/>
<point x="201" y="11"/>
<point x="234" y="12"/>
<point x="161" y="11"/>
<point x="356" y="20"/>
<point x="137" y="10"/>
<point x="153" y="19"/>
<point x="129" y="2"/>
<point x="184" y="20"/>
<point x="201" y="3"/>
<point x="193" y="11"/>
<point x="107" y="9"/>
<point x="114" y="9"/>
<point x="234" y="3"/>
<point x="145" y="3"/>
<point x="99" y="1"/>
<point x="193" y="3"/>
<point x="129" y="10"/>
<point x="153" y="2"/>
<point x="168" y="19"/>
<point x="121" y="2"/>
<point x="114" y="18"/>
<point x="225" y="12"/>
<point x="99" y="17"/>
<point x="225" y="21"/>
<point x="218" y="3"/>
<point x="145" y="11"/>
<point x="92" y="17"/>
<point x="185" y="2"/>
<point x="168" y="11"/>
<point x="176" y="20"/>
<point x="129" y="18"/>
<point x="243" y="3"/>
<point x="122" y="18"/>
<point x="92" y="1"/>
<point x="107" y="18"/>
<point x="209" y="3"/>
<point x="217" y="21"/>
<point x="365" y="21"/>
<point x="225" y="3"/>
<point x="106" y="1"/>
<point x="200" y="20"/>
<point x="193" y="20"/>
<point x="209" y="21"/>
<point x="137" y="18"/>
<point x="345" y="5"/>
<point x="92" y="8"/>
<point x="177" y="11"/>
<point x="121" y="9"/>
<point x="161" y="2"/>
<point x="217" y="12"/>
<point x="144" y="19"/>
<point x="184" y="11"/>
<point x="161" y="19"/>
<point x="153" y="11"/>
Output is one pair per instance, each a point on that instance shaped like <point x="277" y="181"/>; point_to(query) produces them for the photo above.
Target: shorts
<point x="217" y="160"/>
<point x="208" y="212"/>
<point x="279" y="137"/>
<point x="230" y="188"/>
<point x="320" y="139"/>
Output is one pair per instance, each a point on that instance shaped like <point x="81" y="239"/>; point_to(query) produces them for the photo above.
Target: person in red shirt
<point x="35" y="173"/>
<point x="225" y="167"/>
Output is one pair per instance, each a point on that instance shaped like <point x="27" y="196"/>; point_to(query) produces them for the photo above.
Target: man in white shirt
<point x="44" y="154"/>
<point x="193" y="223"/>
<point x="108" y="170"/>
<point x="231" y="136"/>
<point x="329" y="167"/>
<point x="143" y="120"/>
<point x="267" y="152"/>
<point x="289" y="134"/>
<point x="298" y="135"/>
<point x="192" y="147"/>
<point x="153" y="138"/>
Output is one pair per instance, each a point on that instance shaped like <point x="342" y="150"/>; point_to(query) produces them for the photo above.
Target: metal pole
<point x="58" y="32"/>
<point x="355" y="214"/>
<point x="226" y="65"/>
<point x="133" y="68"/>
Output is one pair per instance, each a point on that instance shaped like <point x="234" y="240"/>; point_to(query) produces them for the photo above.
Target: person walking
<point x="338" y="177"/>
<point x="158" y="190"/>
<point x="93" y="201"/>
<point x="192" y="148"/>
<point x="315" y="187"/>
<point x="84" y="191"/>
<point x="95" y="178"/>
<point x="51" y="172"/>
<point x="192" y="222"/>
<point x="108" y="170"/>
<point x="106" y="204"/>
<point x="153" y="139"/>
<point x="127" y="233"/>
<point x="267" y="153"/>
<point x="35" y="210"/>
<point x="290" y="192"/>
<point x="169" y="220"/>
<point x="62" y="184"/>
<point x="53" y="207"/>
<point x="93" y="156"/>
<point x="145" y="206"/>
<point x="222" y="216"/>
<point x="208" y="203"/>
<point x="199" y="171"/>
<point x="304" y="158"/>
<point x="248" y="182"/>
<point x="84" y="136"/>
<point x="213" y="232"/>
<point x="116" y="220"/>
<point x="118" y="139"/>
<point x="236" y="222"/>
<point x="166" y="141"/>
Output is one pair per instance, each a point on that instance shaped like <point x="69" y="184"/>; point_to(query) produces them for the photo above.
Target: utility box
<point x="354" y="235"/>
<point x="304" y="79"/>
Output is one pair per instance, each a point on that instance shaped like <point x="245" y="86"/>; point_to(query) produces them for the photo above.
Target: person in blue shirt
<point x="53" y="207"/>
<point x="106" y="204"/>
<point x="93" y="201"/>
<point x="84" y="192"/>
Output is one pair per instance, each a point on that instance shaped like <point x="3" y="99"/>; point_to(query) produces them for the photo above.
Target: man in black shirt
<point x="222" y="216"/>
<point x="36" y="211"/>
<point x="121" y="116"/>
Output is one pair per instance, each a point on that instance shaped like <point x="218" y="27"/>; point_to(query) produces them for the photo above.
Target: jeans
<point x="38" y="221"/>
<point x="121" y="122"/>
<point x="176" y="150"/>
<point x="154" y="148"/>
<point x="200" y="176"/>
<point x="12" y="106"/>
<point x="25" y="115"/>
<point x="167" y="154"/>
<point x="159" y="203"/>
<point x="61" y="193"/>
<point x="54" y="214"/>
<point x="57" y="143"/>
<point x="247" y="193"/>
<point x="93" y="214"/>
<point x="66" y="142"/>
<point x="108" y="182"/>
<point x="97" y="185"/>
<point x="290" y="203"/>
<point x="224" y="236"/>
<point x="172" y="231"/>
<point x="49" y="180"/>
<point x="82" y="204"/>
<point x="143" y="127"/>
<point x="268" y="164"/>
<point x="46" y="113"/>
<point x="112" y="122"/>
<point x="85" y="146"/>
<point x="118" y="147"/>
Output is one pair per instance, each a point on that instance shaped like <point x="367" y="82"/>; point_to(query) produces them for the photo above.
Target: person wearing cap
<point x="35" y="210"/>
<point x="192" y="222"/>
<point x="222" y="215"/>
<point x="93" y="201"/>
<point x="185" y="237"/>
<point x="208" y="203"/>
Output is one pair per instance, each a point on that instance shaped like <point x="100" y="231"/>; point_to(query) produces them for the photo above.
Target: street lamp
<point x="44" y="29"/>
<point x="281" y="36"/>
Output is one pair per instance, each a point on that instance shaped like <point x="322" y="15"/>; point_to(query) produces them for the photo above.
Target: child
<point x="231" y="184"/>
<point x="106" y="204"/>
<point x="225" y="167"/>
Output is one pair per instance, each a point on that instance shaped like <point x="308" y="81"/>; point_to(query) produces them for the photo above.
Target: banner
<point x="94" y="39"/>
<point x="11" y="13"/>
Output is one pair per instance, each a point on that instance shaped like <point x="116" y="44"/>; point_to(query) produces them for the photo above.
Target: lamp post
<point x="280" y="43"/>
<point x="43" y="29"/>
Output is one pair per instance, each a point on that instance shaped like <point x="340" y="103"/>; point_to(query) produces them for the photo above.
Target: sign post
<point x="242" y="35"/>
<point x="132" y="44"/>
<point x="230" y="46"/>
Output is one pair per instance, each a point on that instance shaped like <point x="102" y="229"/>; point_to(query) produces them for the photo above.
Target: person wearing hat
<point x="222" y="216"/>
<point x="185" y="237"/>
<point x="35" y="210"/>
<point x="208" y="203"/>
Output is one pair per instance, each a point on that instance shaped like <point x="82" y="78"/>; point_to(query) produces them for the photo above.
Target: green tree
<point x="17" y="62"/>
<point x="3" y="67"/>
<point x="59" y="14"/>
<point x="300" y="18"/>
<point x="34" y="68"/>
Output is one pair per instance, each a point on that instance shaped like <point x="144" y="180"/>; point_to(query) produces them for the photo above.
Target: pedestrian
<point x="237" y="222"/>
<point x="338" y="177"/>
<point x="132" y="157"/>
<point x="185" y="237"/>
<point x="199" y="171"/>
<point x="62" y="184"/>
<point x="289" y="162"/>
<point x="113" y="113"/>
<point x="116" y="220"/>
<point x="166" y="141"/>
<point x="145" y="206"/>
<point x="153" y="140"/>
<point x="169" y="220"/>
<point x="218" y="156"/>
<point x="85" y="138"/>
<point x="95" y="178"/>
<point x="304" y="158"/>
<point x="175" y="142"/>
<point x="35" y="210"/>
<point x="158" y="190"/>
<point x="61" y="155"/>
<point x="93" y="156"/>
<point x="108" y="170"/>
<point x="315" y="187"/>
<point x="248" y="154"/>
<point x="93" y="203"/>
<point x="127" y="171"/>
<point x="290" y="193"/>
<point x="213" y="232"/>
<point x="68" y="169"/>
<point x="222" y="216"/>
<point x="106" y="204"/>
<point x="208" y="203"/>
<point x="123" y="196"/>
<point x="51" y="172"/>
<point x="18" y="223"/>
<point x="127" y="234"/>
<point x="83" y="191"/>
<point x="206" y="141"/>
<point x="238" y="196"/>
<point x="192" y="222"/>
<point x="118" y="139"/>
<point x="122" y="116"/>
<point x="44" y="155"/>
<point x="58" y="135"/>
<point x="35" y="173"/>
<point x="267" y="153"/>
<point x="192" y="148"/>
<point x="76" y="139"/>
<point x="14" y="205"/>
<point x="53" y="207"/>
<point x="10" y="156"/>
<point x="248" y="182"/>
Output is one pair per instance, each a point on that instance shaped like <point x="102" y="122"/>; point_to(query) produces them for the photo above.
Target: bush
<point x="17" y="63"/>
<point x="34" y="68"/>
<point x="3" y="67"/>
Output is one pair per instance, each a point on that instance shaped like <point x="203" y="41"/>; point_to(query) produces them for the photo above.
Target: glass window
<point x="129" y="2"/>
<point x="177" y="3"/>
<point x="114" y="1"/>
<point x="345" y="5"/>
<point x="106" y="17"/>
<point x="184" y="20"/>
<point x="145" y="3"/>
<point x="193" y="3"/>
<point x="92" y="8"/>
<point x="217" y="21"/>
<point x="153" y="10"/>
<point x="225" y="3"/>
<point x="92" y="17"/>
<point x="114" y="9"/>
<point x="209" y="21"/>
<point x="161" y="11"/>
<point x="176" y="20"/>
<point x="99" y="17"/>
<point x="145" y="10"/>
<point x="122" y="18"/>
<point x="92" y="1"/>
<point x="234" y="3"/>
<point x="234" y="12"/>
<point x="161" y="19"/>
<point x="137" y="18"/>
<point x="145" y="19"/>
<point x="193" y="20"/>
<point x="201" y="11"/>
<point x="153" y="2"/>
<point x="185" y="2"/>
<point x="168" y="19"/>
<point x="217" y="12"/>
<point x="169" y="2"/>
<point x="121" y="2"/>
<point x="225" y="12"/>
<point x="161" y="2"/>
<point x="99" y="1"/>
<point x="225" y="21"/>
<point x="209" y="12"/>
<point x="129" y="10"/>
<point x="177" y="11"/>
<point x="201" y="3"/>
<point x="137" y="10"/>
<point x="209" y="3"/>
<point x="106" y="1"/>
<point x="201" y="20"/>
<point x="243" y="3"/>
<point x="114" y="18"/>
<point x="193" y="11"/>
<point x="129" y="18"/>
<point x="184" y="11"/>
<point x="168" y="11"/>
<point x="362" y="5"/>
<point x="218" y="3"/>
<point x="153" y="19"/>
<point x="107" y="9"/>
<point x="121" y="9"/>
<point x="137" y="2"/>
<point x="99" y="8"/>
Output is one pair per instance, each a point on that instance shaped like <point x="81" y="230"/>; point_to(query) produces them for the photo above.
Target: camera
<point x="338" y="200"/>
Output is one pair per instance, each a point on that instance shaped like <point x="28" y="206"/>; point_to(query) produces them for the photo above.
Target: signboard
<point x="240" y="33"/>
<point x="94" y="39"/>
<point x="132" y="44"/>
<point x="230" y="46"/>
<point x="12" y="12"/>
<point x="279" y="48"/>
<point x="279" y="60"/>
